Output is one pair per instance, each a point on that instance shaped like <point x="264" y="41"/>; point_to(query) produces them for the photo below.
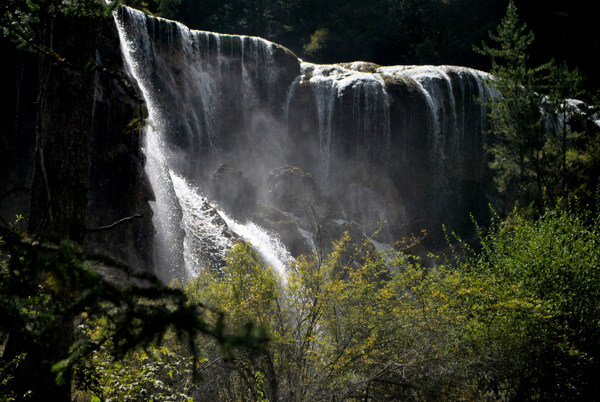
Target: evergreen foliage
<point x="28" y="23"/>
<point x="391" y="32"/>
<point x="533" y="118"/>
<point x="516" y="112"/>
<point x="550" y="266"/>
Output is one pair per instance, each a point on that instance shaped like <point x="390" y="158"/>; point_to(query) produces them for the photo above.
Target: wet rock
<point x="232" y="189"/>
<point x="293" y="190"/>
<point x="277" y="221"/>
<point x="209" y="239"/>
<point x="118" y="185"/>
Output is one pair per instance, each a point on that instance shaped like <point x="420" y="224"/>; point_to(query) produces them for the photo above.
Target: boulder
<point x="292" y="190"/>
<point x="277" y="221"/>
<point x="234" y="192"/>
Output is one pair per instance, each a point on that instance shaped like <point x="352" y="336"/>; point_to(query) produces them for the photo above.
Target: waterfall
<point x="206" y="239"/>
<point x="379" y="141"/>
<point x="268" y="246"/>
<point x="369" y="113"/>
<point x="325" y="90"/>
<point x="189" y="236"/>
<point x="166" y="211"/>
<point x="437" y="88"/>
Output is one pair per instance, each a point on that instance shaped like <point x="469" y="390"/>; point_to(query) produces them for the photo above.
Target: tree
<point x="563" y="85"/>
<point x="247" y="291"/>
<point x="63" y="34"/>
<point x="550" y="269"/>
<point x="350" y="326"/>
<point x="532" y="117"/>
<point x="516" y="115"/>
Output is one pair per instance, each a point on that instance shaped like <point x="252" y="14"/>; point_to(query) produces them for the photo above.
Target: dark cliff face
<point x="399" y="145"/>
<point x="215" y="96"/>
<point x="117" y="185"/>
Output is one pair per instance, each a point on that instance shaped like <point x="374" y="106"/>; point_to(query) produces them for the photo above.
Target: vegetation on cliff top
<point x="390" y="32"/>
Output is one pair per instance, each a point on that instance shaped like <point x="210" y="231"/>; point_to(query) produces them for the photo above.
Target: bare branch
<point x="112" y="225"/>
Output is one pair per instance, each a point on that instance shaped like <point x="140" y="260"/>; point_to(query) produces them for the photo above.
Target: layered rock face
<point x="402" y="145"/>
<point x="312" y="148"/>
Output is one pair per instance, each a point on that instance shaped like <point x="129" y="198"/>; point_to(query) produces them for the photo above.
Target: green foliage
<point x="516" y="116"/>
<point x="158" y="374"/>
<point x="44" y="285"/>
<point x="317" y="41"/>
<point x="570" y="145"/>
<point x="515" y="319"/>
<point x="551" y="267"/>
<point x="246" y="292"/>
<point x="26" y="22"/>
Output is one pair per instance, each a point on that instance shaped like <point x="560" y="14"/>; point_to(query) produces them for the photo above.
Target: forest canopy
<point x="390" y="32"/>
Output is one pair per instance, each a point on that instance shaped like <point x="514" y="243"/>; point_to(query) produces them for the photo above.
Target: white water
<point x="370" y="112"/>
<point x="270" y="248"/>
<point x="165" y="209"/>
<point x="186" y="226"/>
<point x="204" y="229"/>
<point x="205" y="234"/>
<point x="437" y="88"/>
<point x="449" y="124"/>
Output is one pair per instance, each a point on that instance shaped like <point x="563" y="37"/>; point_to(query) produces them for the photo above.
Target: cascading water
<point x="370" y="106"/>
<point x="439" y="88"/>
<point x="188" y="233"/>
<point x="206" y="239"/>
<point x="369" y="135"/>
<point x="326" y="93"/>
<point x="269" y="247"/>
<point x="166" y="211"/>
<point x="448" y="120"/>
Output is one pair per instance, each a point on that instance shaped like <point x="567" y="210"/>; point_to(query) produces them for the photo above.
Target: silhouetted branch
<point x="112" y="225"/>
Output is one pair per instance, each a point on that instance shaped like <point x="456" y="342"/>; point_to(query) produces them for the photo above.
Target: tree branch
<point x="112" y="225"/>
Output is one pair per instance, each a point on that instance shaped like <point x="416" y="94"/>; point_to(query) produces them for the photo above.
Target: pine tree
<point x="564" y="84"/>
<point x="516" y="116"/>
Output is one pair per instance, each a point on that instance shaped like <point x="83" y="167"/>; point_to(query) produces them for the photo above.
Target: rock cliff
<point x="303" y="150"/>
<point x="118" y="184"/>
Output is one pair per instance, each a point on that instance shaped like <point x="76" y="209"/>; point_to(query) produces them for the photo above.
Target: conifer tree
<point x="516" y="116"/>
